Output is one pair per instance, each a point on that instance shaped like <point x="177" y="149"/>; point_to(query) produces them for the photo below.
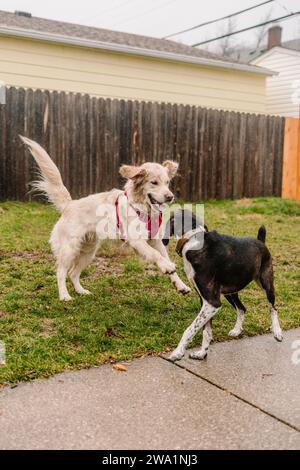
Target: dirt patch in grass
<point x="258" y="217"/>
<point x="46" y="327"/>
<point x="151" y="270"/>
<point x="114" y="249"/>
<point x="105" y="267"/>
<point x="30" y="255"/>
<point x="243" y="202"/>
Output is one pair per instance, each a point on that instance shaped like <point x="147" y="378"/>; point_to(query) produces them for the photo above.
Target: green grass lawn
<point x="134" y="310"/>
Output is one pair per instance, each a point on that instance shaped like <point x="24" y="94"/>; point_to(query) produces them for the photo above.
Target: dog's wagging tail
<point x="262" y="233"/>
<point x="51" y="183"/>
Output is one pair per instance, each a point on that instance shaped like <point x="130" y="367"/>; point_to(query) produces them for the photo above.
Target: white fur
<point x="51" y="182"/>
<point x="192" y="244"/>
<point x="207" y="338"/>
<point x="205" y="315"/>
<point x="203" y="319"/>
<point x="76" y="236"/>
<point x="238" y="327"/>
<point x="277" y="331"/>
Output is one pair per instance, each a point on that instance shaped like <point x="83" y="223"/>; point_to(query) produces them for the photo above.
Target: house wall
<point x="37" y="64"/>
<point x="283" y="90"/>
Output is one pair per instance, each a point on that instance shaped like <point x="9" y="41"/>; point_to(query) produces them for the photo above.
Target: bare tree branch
<point x="261" y="32"/>
<point x="226" y="45"/>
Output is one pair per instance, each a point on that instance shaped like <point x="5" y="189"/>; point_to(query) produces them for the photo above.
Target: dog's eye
<point x="154" y="183"/>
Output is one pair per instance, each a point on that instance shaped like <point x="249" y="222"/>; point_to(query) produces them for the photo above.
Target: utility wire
<point x="218" y="19"/>
<point x="144" y="13"/>
<point x="283" y="6"/>
<point x="108" y="10"/>
<point x="247" y="29"/>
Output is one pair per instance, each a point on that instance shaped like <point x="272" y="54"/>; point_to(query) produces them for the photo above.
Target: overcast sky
<point x="162" y="17"/>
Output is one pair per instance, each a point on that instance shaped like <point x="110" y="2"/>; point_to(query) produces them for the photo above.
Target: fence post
<point x="291" y="160"/>
<point x="298" y="168"/>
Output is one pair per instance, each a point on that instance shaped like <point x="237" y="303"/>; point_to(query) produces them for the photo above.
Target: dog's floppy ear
<point x="131" y="171"/>
<point x="171" y="166"/>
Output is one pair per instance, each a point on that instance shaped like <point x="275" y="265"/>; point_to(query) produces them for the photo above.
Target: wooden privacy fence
<point x="221" y="154"/>
<point x="291" y="160"/>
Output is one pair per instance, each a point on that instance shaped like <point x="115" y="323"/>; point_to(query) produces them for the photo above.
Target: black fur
<point x="219" y="264"/>
<point x="262" y="234"/>
<point x="226" y="264"/>
<point x="180" y="222"/>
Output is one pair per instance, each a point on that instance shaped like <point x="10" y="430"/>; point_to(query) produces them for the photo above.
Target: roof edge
<point x="268" y="52"/>
<point x="113" y="47"/>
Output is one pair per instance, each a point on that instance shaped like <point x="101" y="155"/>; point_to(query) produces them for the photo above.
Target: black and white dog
<point x="218" y="264"/>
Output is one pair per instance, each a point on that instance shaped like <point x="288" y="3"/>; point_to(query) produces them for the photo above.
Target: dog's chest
<point x="188" y="268"/>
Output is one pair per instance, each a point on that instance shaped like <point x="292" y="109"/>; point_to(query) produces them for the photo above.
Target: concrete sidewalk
<point x="246" y="395"/>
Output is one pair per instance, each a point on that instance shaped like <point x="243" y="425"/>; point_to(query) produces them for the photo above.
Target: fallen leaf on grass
<point x="111" y="332"/>
<point x="120" y="367"/>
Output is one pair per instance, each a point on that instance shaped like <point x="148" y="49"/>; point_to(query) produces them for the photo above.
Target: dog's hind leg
<point x="206" y="313"/>
<point x="63" y="265"/>
<point x="81" y="263"/>
<point x="207" y="339"/>
<point x="235" y="301"/>
<point x="266" y="282"/>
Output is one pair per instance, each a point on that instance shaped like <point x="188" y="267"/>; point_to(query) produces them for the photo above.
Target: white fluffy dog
<point x="76" y="236"/>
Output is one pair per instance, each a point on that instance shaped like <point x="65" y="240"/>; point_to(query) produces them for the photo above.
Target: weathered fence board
<point x="221" y="154"/>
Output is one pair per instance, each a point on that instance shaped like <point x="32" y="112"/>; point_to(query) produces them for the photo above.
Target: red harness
<point x="152" y="223"/>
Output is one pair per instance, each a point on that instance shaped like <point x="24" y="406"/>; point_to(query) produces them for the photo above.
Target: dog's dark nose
<point x="169" y="198"/>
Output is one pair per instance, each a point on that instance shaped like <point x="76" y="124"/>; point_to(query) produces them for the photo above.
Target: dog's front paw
<point x="200" y="355"/>
<point x="176" y="355"/>
<point x="181" y="287"/>
<point x="184" y="289"/>
<point x="166" y="267"/>
<point x="66" y="298"/>
<point x="83" y="291"/>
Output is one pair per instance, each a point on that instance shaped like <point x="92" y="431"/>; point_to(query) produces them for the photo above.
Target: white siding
<point x="283" y="90"/>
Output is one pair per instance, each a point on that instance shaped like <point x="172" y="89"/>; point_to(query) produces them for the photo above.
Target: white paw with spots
<point x="176" y="355"/>
<point x="277" y="332"/>
<point x="181" y="287"/>
<point x="200" y="355"/>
